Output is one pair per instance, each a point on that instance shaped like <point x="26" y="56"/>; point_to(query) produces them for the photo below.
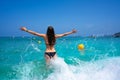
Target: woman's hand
<point x="74" y="31"/>
<point x="23" y="28"/>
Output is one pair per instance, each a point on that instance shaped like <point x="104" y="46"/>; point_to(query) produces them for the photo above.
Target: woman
<point x="50" y="39"/>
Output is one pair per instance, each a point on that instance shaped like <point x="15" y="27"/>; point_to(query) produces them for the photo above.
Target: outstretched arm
<point x="65" y="34"/>
<point x="31" y="32"/>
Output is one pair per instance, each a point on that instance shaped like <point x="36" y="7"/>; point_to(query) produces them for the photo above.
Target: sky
<point x="88" y="17"/>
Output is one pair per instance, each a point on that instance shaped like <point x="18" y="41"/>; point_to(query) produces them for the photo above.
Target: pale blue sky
<point x="87" y="16"/>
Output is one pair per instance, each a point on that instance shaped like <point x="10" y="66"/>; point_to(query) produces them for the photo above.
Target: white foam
<point x="106" y="69"/>
<point x="61" y="71"/>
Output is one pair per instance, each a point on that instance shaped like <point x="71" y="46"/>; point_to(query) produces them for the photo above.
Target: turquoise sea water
<point x="22" y="58"/>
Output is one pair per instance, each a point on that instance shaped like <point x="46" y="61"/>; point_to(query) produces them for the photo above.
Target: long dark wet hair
<point x="51" y="36"/>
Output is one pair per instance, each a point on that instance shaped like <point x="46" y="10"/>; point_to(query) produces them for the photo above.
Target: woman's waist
<point x="50" y="50"/>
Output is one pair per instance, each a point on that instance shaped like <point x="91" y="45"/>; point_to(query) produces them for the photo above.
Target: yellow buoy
<point x="39" y="42"/>
<point x="81" y="46"/>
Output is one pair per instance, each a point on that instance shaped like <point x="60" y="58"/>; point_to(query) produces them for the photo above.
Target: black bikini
<point x="50" y="54"/>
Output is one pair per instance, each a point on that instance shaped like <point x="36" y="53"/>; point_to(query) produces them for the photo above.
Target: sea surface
<point x="22" y="58"/>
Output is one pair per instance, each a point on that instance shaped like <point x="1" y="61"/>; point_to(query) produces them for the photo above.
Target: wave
<point x="105" y="69"/>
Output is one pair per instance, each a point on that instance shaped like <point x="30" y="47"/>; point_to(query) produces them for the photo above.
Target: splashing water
<point x="22" y="59"/>
<point x="108" y="69"/>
